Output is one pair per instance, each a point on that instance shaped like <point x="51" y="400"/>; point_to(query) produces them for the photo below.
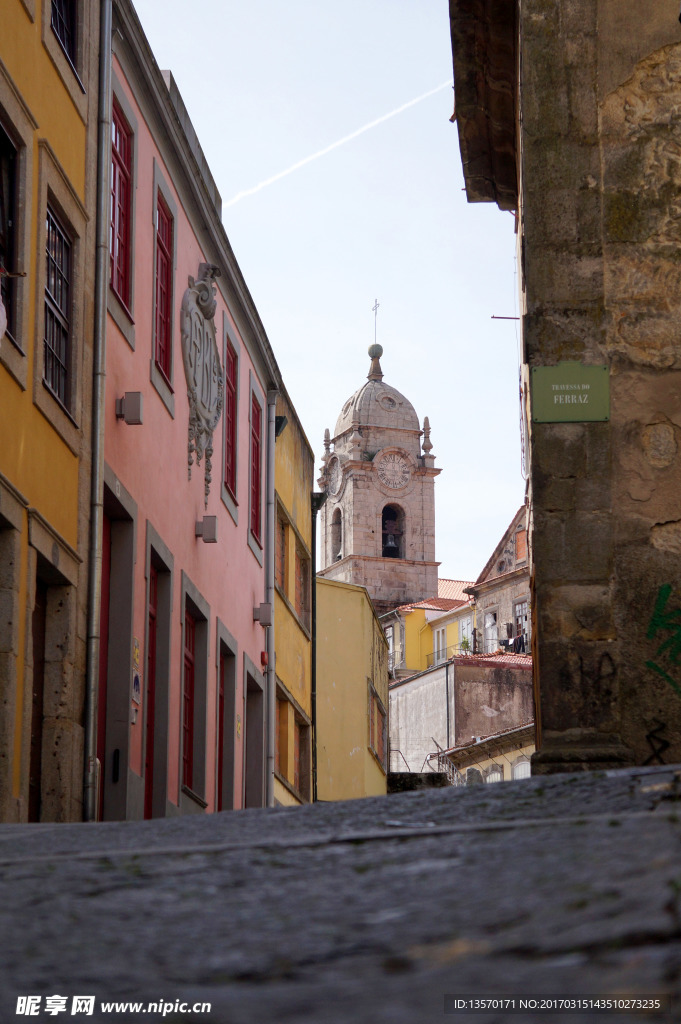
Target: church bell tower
<point x="378" y="521"/>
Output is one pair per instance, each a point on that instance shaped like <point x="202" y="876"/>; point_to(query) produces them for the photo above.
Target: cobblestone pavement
<point x="366" y="911"/>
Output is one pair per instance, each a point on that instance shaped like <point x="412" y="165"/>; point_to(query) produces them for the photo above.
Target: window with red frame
<point x="188" y="700"/>
<point x="230" y="419"/>
<point x="256" y="466"/>
<point x="121" y="205"/>
<point x="164" y="284"/>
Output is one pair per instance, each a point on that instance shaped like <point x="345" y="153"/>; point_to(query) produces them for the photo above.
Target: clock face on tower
<point x="334" y="475"/>
<point x="393" y="470"/>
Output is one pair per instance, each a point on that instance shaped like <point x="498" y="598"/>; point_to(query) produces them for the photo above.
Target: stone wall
<point x="490" y="699"/>
<point x="600" y="95"/>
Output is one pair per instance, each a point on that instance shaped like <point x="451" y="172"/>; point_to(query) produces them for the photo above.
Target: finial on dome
<point x="375" y="372"/>
<point x="427" y="443"/>
<point x="327" y="446"/>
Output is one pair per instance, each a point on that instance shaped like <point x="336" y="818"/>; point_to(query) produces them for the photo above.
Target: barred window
<point x="64" y="26"/>
<point x="8" y="156"/>
<point x="57" y="310"/>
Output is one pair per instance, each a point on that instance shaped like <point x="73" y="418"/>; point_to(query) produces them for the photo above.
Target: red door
<point x="149" y="709"/>
<point x="221" y="731"/>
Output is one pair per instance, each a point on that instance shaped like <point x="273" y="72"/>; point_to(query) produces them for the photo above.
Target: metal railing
<point x="479" y="645"/>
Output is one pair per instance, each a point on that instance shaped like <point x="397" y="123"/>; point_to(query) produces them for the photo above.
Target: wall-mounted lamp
<point x="263" y="614"/>
<point x="129" y="408"/>
<point x="207" y="529"/>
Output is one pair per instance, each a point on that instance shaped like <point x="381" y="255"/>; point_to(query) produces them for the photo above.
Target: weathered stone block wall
<point x="490" y="700"/>
<point x="601" y="222"/>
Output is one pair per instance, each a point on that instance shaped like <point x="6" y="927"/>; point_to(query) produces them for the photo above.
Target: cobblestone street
<point x="371" y="910"/>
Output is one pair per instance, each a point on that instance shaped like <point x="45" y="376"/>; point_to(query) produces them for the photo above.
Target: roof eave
<point x="484" y="49"/>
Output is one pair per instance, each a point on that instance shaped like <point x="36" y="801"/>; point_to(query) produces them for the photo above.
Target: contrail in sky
<point x="335" y="145"/>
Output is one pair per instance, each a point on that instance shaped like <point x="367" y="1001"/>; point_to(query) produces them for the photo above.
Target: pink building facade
<point x="188" y="425"/>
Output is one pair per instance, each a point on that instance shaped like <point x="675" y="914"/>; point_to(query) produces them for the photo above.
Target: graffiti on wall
<point x="657" y="743"/>
<point x="665" y="625"/>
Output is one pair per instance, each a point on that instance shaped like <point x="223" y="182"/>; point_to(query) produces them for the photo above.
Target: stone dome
<point x="377" y="404"/>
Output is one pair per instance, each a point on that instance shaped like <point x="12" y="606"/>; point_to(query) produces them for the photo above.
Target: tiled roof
<point x="453" y="589"/>
<point x="437" y="604"/>
<point x="521" y="660"/>
<point x="492" y="736"/>
<point x="494" y="660"/>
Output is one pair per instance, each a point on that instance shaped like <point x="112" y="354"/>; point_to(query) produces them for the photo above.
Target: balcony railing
<point x="479" y="645"/>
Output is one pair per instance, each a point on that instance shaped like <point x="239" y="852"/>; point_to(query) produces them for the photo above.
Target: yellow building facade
<point x="294" y="481"/>
<point x="352" y="694"/>
<point x="48" y="144"/>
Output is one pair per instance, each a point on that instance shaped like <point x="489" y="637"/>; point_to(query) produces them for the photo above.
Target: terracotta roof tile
<point x="490" y="736"/>
<point x="453" y="589"/>
<point x="437" y="604"/>
<point x="521" y="660"/>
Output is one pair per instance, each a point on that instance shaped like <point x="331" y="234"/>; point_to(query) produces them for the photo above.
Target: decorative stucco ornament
<point x="202" y="368"/>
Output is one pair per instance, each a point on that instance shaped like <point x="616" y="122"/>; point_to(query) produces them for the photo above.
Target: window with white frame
<point x="491" y="635"/>
<point x="440" y="645"/>
<point x="466" y="633"/>
<point x="522" y="770"/>
<point x="390" y="637"/>
<point x="495" y="773"/>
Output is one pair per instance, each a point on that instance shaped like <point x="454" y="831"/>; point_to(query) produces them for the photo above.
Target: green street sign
<point x="570" y="393"/>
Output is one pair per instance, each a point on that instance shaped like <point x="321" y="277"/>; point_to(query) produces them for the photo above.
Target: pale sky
<point x="330" y="203"/>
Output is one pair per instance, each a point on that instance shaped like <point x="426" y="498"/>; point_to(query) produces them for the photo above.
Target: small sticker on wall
<point x="238" y="726"/>
<point x="136" y="686"/>
<point x="135" y="652"/>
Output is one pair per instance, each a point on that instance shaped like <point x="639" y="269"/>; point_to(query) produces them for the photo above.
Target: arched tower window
<point x="336" y="536"/>
<point x="392" y="532"/>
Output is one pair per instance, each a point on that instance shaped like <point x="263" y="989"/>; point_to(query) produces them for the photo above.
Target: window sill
<point x="289" y="787"/>
<point x="69" y="60"/>
<point x="255" y="546"/>
<point x="57" y="415"/>
<point x="162" y="387"/>
<point x="306" y="629"/>
<point x="121" y="316"/>
<point x="13" y="358"/>
<point x="377" y="760"/>
<point x="194" y="797"/>
<point x="63" y="64"/>
<point x="230" y="503"/>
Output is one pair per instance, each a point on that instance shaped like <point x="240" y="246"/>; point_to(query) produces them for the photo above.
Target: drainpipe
<point x="270" y="674"/>
<point x="447" y="700"/>
<point x="317" y="500"/>
<point x="99" y="375"/>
